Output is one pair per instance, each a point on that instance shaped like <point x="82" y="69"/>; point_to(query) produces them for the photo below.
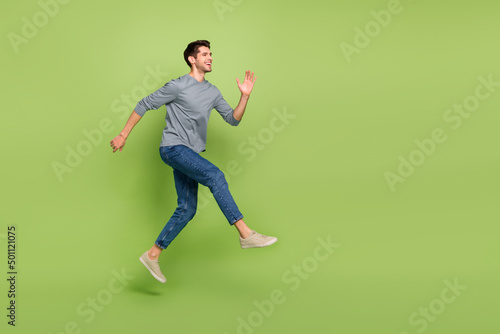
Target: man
<point x="189" y="100"/>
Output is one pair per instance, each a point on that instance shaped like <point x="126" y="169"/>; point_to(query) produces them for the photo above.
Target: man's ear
<point x="191" y="60"/>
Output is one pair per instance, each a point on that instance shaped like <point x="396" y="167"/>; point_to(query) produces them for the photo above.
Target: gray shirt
<point x="189" y="104"/>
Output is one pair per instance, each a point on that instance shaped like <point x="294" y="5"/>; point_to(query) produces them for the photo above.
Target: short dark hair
<point x="192" y="49"/>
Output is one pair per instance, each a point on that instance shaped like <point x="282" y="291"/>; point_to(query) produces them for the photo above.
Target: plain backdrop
<point x="369" y="148"/>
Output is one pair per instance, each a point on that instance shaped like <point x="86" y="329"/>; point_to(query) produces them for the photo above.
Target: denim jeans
<point x="189" y="170"/>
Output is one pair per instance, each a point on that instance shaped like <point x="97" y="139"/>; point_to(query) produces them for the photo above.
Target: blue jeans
<point x="189" y="170"/>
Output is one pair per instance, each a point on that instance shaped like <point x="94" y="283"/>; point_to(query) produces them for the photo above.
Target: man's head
<point x="198" y="54"/>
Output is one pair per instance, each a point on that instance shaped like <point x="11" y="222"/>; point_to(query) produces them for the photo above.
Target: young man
<point x="189" y="100"/>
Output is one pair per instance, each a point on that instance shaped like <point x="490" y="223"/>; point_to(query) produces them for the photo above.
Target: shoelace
<point x="260" y="236"/>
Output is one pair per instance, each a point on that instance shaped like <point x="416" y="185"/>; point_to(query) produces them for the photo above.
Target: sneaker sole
<point x="269" y="243"/>
<point x="152" y="272"/>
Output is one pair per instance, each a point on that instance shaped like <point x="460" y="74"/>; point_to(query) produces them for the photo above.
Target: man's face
<point x="203" y="60"/>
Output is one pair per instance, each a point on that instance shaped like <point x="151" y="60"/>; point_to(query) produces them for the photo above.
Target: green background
<point x="322" y="175"/>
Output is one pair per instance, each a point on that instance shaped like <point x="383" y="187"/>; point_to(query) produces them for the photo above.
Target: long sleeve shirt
<point x="189" y="104"/>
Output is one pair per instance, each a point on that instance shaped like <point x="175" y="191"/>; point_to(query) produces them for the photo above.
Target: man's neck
<point x="199" y="76"/>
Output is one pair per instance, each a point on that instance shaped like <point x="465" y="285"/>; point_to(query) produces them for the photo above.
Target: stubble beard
<point x="203" y="68"/>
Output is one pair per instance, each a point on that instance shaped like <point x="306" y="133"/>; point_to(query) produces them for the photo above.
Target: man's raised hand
<point x="247" y="85"/>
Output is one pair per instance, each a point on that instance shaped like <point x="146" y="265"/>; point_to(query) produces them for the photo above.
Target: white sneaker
<point x="257" y="240"/>
<point x="153" y="267"/>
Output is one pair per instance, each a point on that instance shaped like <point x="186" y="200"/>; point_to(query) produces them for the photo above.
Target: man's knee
<point x="215" y="177"/>
<point x="189" y="208"/>
<point x="219" y="177"/>
<point x="186" y="213"/>
<point x="191" y="211"/>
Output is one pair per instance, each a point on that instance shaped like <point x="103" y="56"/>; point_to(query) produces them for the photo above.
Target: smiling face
<point x="203" y="60"/>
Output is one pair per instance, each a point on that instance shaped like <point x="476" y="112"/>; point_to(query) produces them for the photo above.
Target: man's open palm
<point x="247" y="85"/>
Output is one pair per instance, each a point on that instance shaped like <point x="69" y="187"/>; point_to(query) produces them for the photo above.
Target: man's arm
<point x="245" y="89"/>
<point x="162" y="96"/>
<point x="119" y="141"/>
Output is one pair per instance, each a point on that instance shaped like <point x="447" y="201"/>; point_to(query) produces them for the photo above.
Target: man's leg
<point x="203" y="171"/>
<point x="187" y="198"/>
